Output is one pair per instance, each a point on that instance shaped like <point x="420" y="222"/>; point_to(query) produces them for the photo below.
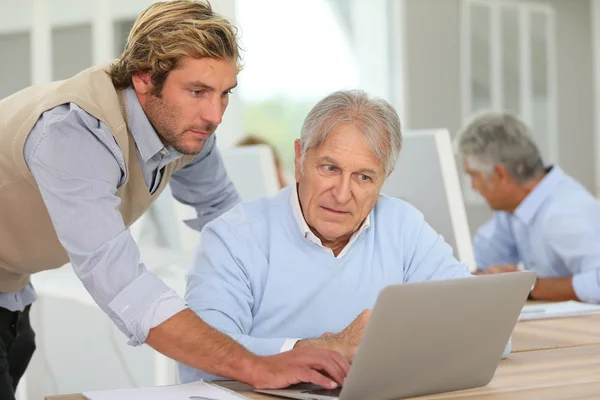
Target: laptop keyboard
<point x="325" y="392"/>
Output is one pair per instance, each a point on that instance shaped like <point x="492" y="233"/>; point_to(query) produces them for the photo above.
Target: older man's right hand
<point x="346" y="342"/>
<point x="322" y="367"/>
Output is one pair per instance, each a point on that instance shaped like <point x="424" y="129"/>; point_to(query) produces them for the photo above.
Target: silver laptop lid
<point x="432" y="337"/>
<point x="436" y="336"/>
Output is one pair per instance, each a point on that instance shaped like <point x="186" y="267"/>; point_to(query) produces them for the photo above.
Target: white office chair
<point x="253" y="173"/>
<point x="78" y="346"/>
<point x="252" y="170"/>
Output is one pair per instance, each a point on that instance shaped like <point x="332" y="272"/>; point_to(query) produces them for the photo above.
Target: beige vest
<point x="28" y="242"/>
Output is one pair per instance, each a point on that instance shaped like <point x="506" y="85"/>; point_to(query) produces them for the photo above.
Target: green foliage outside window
<point x="279" y="121"/>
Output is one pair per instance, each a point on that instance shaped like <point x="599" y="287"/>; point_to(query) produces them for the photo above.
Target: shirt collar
<point x="144" y="134"/>
<point x="308" y="234"/>
<point x="534" y="200"/>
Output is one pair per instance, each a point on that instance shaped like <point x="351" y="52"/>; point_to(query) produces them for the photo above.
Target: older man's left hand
<point x="346" y="342"/>
<point x="497" y="269"/>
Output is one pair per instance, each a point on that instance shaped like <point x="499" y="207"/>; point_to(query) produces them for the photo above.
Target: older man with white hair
<point x="304" y="267"/>
<point x="544" y="219"/>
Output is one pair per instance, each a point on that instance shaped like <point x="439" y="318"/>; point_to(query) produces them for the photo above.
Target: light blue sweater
<point x="260" y="280"/>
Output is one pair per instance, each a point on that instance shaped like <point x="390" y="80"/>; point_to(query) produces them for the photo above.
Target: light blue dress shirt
<point x="555" y="231"/>
<point x="78" y="167"/>
<point x="261" y="278"/>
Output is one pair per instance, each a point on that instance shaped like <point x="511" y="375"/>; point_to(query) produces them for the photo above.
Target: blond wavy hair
<point x="166" y="32"/>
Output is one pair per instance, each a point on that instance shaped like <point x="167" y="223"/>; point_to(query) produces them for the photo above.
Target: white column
<point x="370" y="37"/>
<point x="552" y="77"/>
<point x="41" y="43"/>
<point x="398" y="50"/>
<point x="526" y="89"/>
<point x="102" y="33"/>
<point x="231" y="129"/>
<point x="595" y="15"/>
<point x="497" y="84"/>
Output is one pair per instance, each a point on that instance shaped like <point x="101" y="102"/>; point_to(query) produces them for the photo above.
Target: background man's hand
<point x="346" y="342"/>
<point x="322" y="367"/>
<point x="498" y="269"/>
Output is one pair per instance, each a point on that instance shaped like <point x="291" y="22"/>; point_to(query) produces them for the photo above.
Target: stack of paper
<point x="558" y="310"/>
<point x="190" y="391"/>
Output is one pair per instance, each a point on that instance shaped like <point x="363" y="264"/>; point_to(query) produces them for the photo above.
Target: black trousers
<point x="17" y="344"/>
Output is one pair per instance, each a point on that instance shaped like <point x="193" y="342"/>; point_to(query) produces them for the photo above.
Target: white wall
<point x="595" y="21"/>
<point x="575" y="89"/>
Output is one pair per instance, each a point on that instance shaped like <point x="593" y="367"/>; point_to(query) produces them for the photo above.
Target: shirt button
<point x="164" y="152"/>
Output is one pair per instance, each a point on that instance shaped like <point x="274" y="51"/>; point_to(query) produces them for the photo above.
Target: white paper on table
<point x="561" y="309"/>
<point x="200" y="390"/>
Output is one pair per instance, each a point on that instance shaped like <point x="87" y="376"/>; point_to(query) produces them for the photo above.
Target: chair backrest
<point x="252" y="170"/>
<point x="78" y="346"/>
<point x="428" y="153"/>
<point x="253" y="173"/>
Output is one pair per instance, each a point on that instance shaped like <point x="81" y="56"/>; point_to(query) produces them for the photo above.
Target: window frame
<point x="525" y="11"/>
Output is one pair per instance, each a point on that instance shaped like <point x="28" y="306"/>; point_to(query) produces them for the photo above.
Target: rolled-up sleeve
<point x="78" y="167"/>
<point x="576" y="241"/>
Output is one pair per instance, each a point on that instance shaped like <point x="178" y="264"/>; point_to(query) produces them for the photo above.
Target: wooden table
<point x="552" y="359"/>
<point x="554" y="374"/>
<point x="556" y="333"/>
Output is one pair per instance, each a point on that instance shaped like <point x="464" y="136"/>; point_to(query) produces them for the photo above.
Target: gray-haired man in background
<point x="543" y="218"/>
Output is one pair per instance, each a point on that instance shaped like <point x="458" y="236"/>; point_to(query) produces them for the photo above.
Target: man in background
<point x="543" y="218"/>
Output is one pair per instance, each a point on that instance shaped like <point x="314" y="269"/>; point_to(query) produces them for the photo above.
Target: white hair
<point x="375" y="118"/>
<point x="497" y="138"/>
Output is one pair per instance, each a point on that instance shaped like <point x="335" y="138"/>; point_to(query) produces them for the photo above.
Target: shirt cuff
<point x="142" y="295"/>
<point x="587" y="286"/>
<point x="164" y="308"/>
<point x="288" y="345"/>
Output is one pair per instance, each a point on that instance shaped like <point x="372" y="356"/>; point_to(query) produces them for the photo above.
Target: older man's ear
<point x="502" y="175"/>
<point x="297" y="160"/>
<point x="387" y="176"/>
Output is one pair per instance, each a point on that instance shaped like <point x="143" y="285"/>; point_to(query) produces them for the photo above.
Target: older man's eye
<point x="330" y="168"/>
<point x="364" y="177"/>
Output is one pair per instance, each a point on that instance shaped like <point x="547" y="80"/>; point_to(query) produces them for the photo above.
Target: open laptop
<point x="431" y="337"/>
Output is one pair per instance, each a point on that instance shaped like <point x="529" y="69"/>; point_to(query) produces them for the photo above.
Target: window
<point x="15" y="74"/>
<point x="15" y="46"/>
<point x="509" y="64"/>
<point x="295" y="53"/>
<point x="121" y="32"/>
<point x="71" y="50"/>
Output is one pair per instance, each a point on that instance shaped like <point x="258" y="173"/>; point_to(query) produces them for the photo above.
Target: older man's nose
<point x="342" y="191"/>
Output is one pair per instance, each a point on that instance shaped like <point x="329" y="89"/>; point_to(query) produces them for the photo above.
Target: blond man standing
<point x="82" y="159"/>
